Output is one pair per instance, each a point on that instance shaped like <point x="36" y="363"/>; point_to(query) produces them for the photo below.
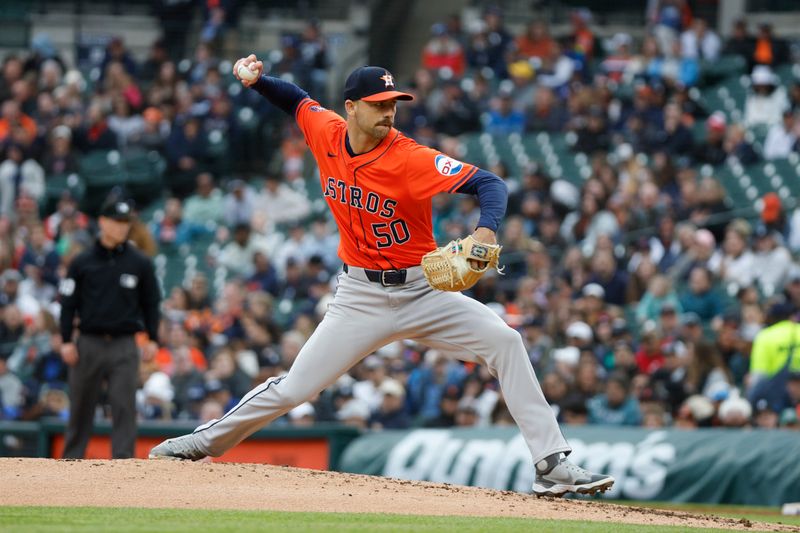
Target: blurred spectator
<point x="503" y="118"/>
<point x="736" y="145"/>
<point x="557" y="68"/>
<point x="19" y="176"/>
<point x="781" y="138"/>
<point x="354" y="413"/>
<point x="206" y="204"/>
<point x="175" y="348"/>
<point x="456" y="112"/>
<point x="767" y="100"/>
<point x="764" y="416"/>
<point x="498" y="40"/>
<point x="771" y="362"/>
<point x="13" y="118"/>
<point x="302" y="415"/>
<point x="186" y="152"/>
<point x="582" y="36"/>
<point x="700" y="42"/>
<point x="700" y="297"/>
<point x="173" y="229"/>
<point x="124" y="123"/>
<point x="448" y="408"/>
<point x="546" y="113"/>
<point x="696" y="411"/>
<point x="240" y="203"/>
<point x="659" y="296"/>
<point x="536" y="42"/>
<point x="616" y="407"/>
<point x="39" y="253"/>
<point x="467" y="413"/>
<point x="674" y="138"/>
<point x="59" y="158"/>
<point x="772" y="260"/>
<point x="95" y="133"/>
<point x="735" y="412"/>
<point x="187" y="379"/>
<point x="736" y="264"/>
<point x="619" y="61"/>
<point x="706" y="372"/>
<point x="11" y="393"/>
<point x="368" y="389"/>
<point x="225" y="369"/>
<point x="265" y="277"/>
<point x="740" y="42"/>
<point x="277" y="203"/>
<point x="391" y="412"/>
<point x="116" y="52"/>
<point x="606" y="274"/>
<point x="154" y="399"/>
<point x="154" y="132"/>
<point x="592" y="132"/>
<point x="123" y="90"/>
<point x="768" y="49"/>
<point x="443" y="52"/>
<point x="790" y="419"/>
<point x="11" y="329"/>
<point x="237" y="255"/>
<point x="712" y="150"/>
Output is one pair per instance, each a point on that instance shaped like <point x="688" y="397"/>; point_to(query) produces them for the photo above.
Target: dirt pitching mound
<point x="179" y="484"/>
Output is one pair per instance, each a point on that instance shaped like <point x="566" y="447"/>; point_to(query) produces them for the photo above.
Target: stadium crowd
<point x="640" y="300"/>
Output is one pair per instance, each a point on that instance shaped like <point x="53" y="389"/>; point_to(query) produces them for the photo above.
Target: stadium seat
<point x="56" y="185"/>
<point x="101" y="172"/>
<point x="144" y="175"/>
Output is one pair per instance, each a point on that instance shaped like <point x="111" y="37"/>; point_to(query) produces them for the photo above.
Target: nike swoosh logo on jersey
<point x="331" y="155"/>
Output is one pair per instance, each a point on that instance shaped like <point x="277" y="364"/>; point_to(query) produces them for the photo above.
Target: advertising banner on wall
<point x="710" y="466"/>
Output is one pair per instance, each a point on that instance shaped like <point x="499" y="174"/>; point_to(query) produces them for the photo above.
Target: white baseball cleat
<point x="567" y="477"/>
<point x="183" y="447"/>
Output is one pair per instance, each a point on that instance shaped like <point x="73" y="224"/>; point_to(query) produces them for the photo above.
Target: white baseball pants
<point x="365" y="316"/>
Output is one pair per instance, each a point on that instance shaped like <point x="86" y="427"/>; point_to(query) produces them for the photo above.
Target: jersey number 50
<point x="395" y="232"/>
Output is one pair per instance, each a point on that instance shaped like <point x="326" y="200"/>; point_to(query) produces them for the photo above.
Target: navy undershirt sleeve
<point x="280" y="93"/>
<point x="492" y="194"/>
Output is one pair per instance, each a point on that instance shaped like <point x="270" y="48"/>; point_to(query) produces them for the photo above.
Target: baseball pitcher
<point x="395" y="283"/>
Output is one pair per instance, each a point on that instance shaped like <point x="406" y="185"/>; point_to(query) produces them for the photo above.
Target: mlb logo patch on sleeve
<point x="447" y="166"/>
<point x="128" y="281"/>
<point x="66" y="287"/>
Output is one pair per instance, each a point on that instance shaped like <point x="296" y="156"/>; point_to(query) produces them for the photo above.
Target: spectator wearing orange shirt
<point x="769" y="50"/>
<point x="177" y="345"/>
<point x="536" y="41"/>
<point x="12" y="117"/>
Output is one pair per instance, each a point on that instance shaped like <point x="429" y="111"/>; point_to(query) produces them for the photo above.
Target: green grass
<point x="92" y="519"/>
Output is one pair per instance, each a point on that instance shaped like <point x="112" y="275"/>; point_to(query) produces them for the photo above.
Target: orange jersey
<point x="381" y="199"/>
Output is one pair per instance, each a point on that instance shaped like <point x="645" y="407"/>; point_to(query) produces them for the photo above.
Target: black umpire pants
<point x="103" y="359"/>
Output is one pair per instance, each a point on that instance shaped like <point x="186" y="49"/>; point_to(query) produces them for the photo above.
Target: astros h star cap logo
<point x="372" y="84"/>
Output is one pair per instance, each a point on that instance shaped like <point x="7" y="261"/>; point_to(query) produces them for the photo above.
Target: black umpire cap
<point x="117" y="209"/>
<point x="372" y="84"/>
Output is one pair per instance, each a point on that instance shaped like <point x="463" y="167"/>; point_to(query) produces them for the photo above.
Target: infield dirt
<point x="185" y="485"/>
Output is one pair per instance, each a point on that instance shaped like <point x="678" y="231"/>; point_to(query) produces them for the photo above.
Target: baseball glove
<point x="448" y="268"/>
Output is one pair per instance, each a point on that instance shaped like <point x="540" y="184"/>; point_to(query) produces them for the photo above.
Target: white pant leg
<point x="357" y="323"/>
<point x="466" y="329"/>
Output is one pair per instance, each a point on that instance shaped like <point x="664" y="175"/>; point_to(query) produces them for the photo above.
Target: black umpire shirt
<point x="114" y="292"/>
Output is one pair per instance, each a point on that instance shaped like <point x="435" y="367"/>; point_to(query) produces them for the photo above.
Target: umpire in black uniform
<point x="113" y="290"/>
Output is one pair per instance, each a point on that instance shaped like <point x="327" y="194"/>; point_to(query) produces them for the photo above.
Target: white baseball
<point x="245" y="73"/>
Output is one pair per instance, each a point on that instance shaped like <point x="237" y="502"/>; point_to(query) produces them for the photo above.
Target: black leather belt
<point x="387" y="278"/>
